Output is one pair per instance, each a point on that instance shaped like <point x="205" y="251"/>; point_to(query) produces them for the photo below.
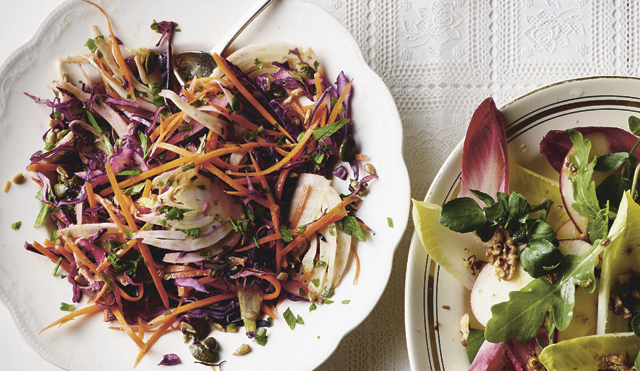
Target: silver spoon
<point x="197" y="63"/>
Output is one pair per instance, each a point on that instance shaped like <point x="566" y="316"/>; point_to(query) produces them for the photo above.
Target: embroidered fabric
<point x="440" y="59"/>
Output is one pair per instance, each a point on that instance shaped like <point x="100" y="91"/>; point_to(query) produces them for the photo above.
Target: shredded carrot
<point x="241" y="120"/>
<point x="120" y="253"/>
<point x="318" y="80"/>
<point x="128" y="297"/>
<point x="144" y="250"/>
<point x="112" y="214"/>
<point x="87" y="310"/>
<point x="116" y="312"/>
<point x="64" y="253"/>
<point x="242" y="191"/>
<point x="194" y="305"/>
<point x="291" y="156"/>
<point x="171" y="127"/>
<point x="280" y="183"/>
<point x="304" y="196"/>
<point x="266" y="309"/>
<point x="7" y="186"/>
<point x="83" y="258"/>
<point x="42" y="167"/>
<point x="156" y="335"/>
<point x="297" y="108"/>
<point x="355" y="256"/>
<point x="327" y="218"/>
<point x="270" y="238"/>
<point x="50" y="255"/>
<point x="102" y="291"/>
<point x="140" y="329"/>
<point x="222" y="64"/>
<point x="276" y="284"/>
<point x="197" y="159"/>
<point x="147" y="188"/>
<point x="37" y="181"/>
<point x="338" y="105"/>
<point x="90" y="195"/>
<point x="126" y="74"/>
<point x="48" y="243"/>
<point x="163" y="126"/>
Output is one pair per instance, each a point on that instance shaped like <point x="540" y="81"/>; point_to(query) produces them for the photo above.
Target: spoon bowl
<point x="186" y="65"/>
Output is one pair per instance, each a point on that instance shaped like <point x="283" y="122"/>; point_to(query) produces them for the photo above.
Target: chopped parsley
<point x="261" y="337"/>
<point x="67" y="307"/>
<point x="285" y="233"/>
<point x="258" y="63"/>
<point x="173" y="213"/>
<point x="16" y="225"/>
<point x="346" y="301"/>
<point x="316" y="282"/>
<point x="349" y="225"/>
<point x="91" y="44"/>
<point x="129" y="172"/>
<point x="312" y="307"/>
<point x="193" y="233"/>
<point x="134" y="190"/>
<point x="240" y="225"/>
<point x="327" y="302"/>
<point x="390" y="222"/>
<point x="187" y="166"/>
<point x="299" y="320"/>
<point x="290" y="318"/>
<point x="185" y="127"/>
<point x="55" y="269"/>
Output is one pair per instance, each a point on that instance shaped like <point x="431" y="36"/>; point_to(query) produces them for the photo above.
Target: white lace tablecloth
<point x="439" y="58"/>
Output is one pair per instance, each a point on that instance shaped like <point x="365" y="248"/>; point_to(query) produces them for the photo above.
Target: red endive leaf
<point x="485" y="161"/>
<point x="556" y="143"/>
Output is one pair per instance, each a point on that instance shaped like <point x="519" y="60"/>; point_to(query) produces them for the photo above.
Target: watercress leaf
<point x="538" y="256"/>
<point x="611" y="190"/>
<point x="494" y="212"/>
<point x="634" y="125"/>
<point x="486" y="232"/>
<point x="488" y="200"/>
<point x="519" y="209"/>
<point x="541" y="230"/>
<point x="462" y="215"/>
<point x="611" y="161"/>
<point x="474" y="342"/>
<point x="526" y="309"/>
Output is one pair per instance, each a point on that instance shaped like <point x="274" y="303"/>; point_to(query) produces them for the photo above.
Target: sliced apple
<point x="568" y="231"/>
<point x="574" y="246"/>
<point x="488" y="290"/>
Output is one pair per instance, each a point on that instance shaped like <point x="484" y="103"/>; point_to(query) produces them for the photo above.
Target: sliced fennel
<point x="323" y="274"/>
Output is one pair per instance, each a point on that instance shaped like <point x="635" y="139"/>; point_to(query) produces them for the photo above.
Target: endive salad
<point x="553" y="266"/>
<point x="203" y="205"/>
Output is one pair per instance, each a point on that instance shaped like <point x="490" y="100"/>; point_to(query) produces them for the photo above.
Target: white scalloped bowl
<point x="33" y="296"/>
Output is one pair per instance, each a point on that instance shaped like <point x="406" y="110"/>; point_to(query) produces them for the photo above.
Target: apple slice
<point x="568" y="231"/>
<point x="574" y="246"/>
<point x="488" y="290"/>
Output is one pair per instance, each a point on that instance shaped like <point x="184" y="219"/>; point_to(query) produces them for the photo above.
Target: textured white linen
<point x="439" y="58"/>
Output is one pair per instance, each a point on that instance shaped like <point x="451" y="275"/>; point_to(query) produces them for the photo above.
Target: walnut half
<point x="503" y="254"/>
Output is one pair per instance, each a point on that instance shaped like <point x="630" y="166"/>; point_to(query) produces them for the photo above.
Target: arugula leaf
<point x="584" y="190"/>
<point x="525" y="311"/>
<point x="474" y="342"/>
<point x="325" y="132"/>
<point x="599" y="227"/>
<point x="349" y="225"/>
<point x="462" y="215"/>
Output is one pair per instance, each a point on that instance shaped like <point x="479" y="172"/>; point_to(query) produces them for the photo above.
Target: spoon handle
<point x="223" y="44"/>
